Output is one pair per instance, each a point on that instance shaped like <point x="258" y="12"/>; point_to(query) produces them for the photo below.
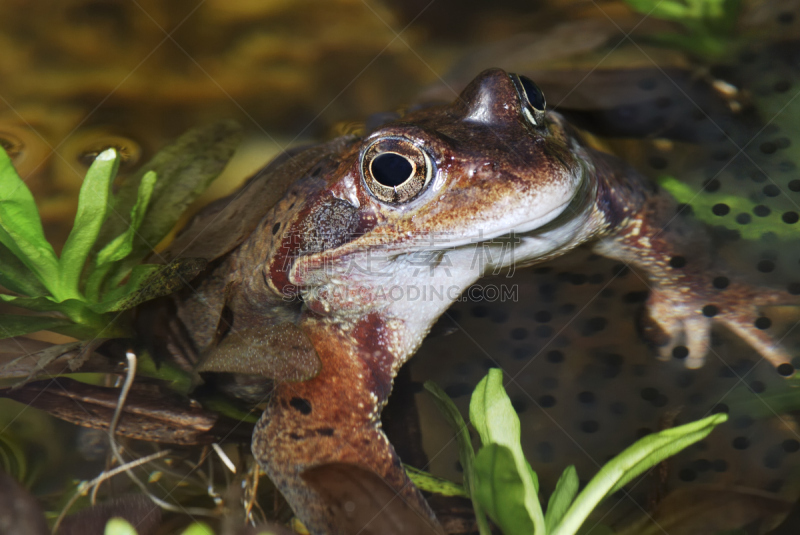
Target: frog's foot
<point x="679" y="319"/>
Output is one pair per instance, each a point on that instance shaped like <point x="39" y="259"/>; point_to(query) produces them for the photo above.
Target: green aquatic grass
<point x="100" y="273"/>
<point x="504" y="485"/>
<point x="708" y="25"/>
<point x="427" y="482"/>
<point x="508" y="488"/>
<point x="119" y="526"/>
<point x="82" y="313"/>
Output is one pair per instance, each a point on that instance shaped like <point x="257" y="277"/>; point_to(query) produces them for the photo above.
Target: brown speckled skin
<point x="495" y="174"/>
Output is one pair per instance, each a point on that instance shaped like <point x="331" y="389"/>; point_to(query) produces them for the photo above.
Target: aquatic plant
<point x="100" y="273"/>
<point x="118" y="526"/>
<point x="504" y="486"/>
<point x="709" y="24"/>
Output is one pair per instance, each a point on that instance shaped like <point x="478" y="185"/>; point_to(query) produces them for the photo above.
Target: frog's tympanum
<point x="366" y="242"/>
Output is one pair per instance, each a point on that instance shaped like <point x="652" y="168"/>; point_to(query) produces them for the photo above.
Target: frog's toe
<point x="658" y="328"/>
<point x="678" y="323"/>
<point x="690" y="341"/>
<point x="753" y="329"/>
<point x="737" y="308"/>
<point x="697" y="330"/>
<point x="671" y="326"/>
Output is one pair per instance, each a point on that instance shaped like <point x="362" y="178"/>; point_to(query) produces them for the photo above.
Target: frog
<point x="318" y="264"/>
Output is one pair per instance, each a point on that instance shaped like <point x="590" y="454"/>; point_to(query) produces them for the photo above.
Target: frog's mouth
<point x="558" y="217"/>
<point x="575" y="206"/>
<point x="524" y="243"/>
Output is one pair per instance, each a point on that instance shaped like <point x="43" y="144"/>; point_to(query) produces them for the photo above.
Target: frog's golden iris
<point x="395" y="170"/>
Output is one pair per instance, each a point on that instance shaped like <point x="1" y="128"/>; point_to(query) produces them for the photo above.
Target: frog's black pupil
<point x="391" y="169"/>
<point x="532" y="91"/>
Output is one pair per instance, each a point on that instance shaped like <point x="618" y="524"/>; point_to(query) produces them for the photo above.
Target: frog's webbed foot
<point x="679" y="319"/>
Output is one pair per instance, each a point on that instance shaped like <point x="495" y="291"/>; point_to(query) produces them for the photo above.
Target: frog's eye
<point x="395" y="170"/>
<point x="531" y="98"/>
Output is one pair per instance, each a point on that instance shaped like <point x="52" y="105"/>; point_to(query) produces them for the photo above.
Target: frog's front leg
<point x="688" y="290"/>
<point x="334" y="417"/>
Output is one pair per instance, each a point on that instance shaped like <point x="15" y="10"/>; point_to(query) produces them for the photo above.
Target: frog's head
<point x="493" y="162"/>
<point x="434" y="183"/>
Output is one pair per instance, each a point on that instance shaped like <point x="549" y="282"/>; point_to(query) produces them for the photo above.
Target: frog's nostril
<point x="391" y="169"/>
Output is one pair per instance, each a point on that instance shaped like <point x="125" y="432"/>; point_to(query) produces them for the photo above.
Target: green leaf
<point x="176" y="377"/>
<point x="709" y="25"/>
<point x="561" y="499"/>
<point x="84" y="323"/>
<point x="221" y="404"/>
<point x="430" y="483"/>
<point x="119" y="298"/>
<point x="122" y="245"/>
<point x="534" y="477"/>
<point x="92" y="208"/>
<point x="661" y="9"/>
<point x="41" y="303"/>
<point x="652" y="449"/>
<point x="696" y="42"/>
<point x="71" y="308"/>
<point x="119" y="526"/>
<point x="21" y="228"/>
<point x="708" y="11"/>
<point x="97" y="281"/>
<point x="492" y="414"/>
<point x="185" y="169"/>
<point x="149" y="281"/>
<point x="17" y="325"/>
<point x="643" y="454"/>
<point x="502" y="491"/>
<point x="105" y="270"/>
<point x="466" y="452"/>
<point x="14" y="458"/>
<point x="16" y="277"/>
<point x="198" y="528"/>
